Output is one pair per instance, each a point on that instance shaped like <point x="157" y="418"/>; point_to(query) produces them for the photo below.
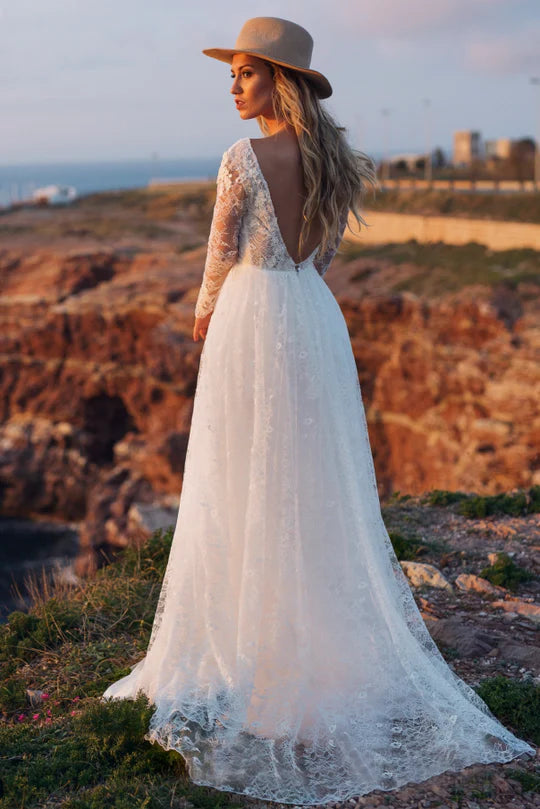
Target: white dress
<point x="288" y="659"/>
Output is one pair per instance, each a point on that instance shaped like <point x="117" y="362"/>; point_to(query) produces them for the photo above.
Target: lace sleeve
<point x="323" y="263"/>
<point x="224" y="231"/>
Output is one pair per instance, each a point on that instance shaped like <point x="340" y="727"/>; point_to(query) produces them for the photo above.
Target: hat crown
<point x="278" y="38"/>
<point x="280" y="41"/>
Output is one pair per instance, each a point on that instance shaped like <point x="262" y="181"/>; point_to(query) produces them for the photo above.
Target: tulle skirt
<point x="288" y="660"/>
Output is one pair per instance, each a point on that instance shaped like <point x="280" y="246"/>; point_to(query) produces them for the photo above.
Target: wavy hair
<point x="336" y="176"/>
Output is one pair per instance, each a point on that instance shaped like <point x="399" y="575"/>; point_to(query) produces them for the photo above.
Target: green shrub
<point x="407" y="547"/>
<point x="534" y="499"/>
<point x="441" y="497"/>
<point x="115" y="728"/>
<point x="516" y="704"/>
<point x="529" y="781"/>
<point x="506" y="573"/>
<point x="516" y="504"/>
<point x="397" y="497"/>
<point x="12" y="694"/>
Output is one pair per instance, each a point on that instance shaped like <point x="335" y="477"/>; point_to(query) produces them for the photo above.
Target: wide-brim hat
<point x="276" y="40"/>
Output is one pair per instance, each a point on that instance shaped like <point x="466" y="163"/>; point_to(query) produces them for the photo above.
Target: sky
<point x="113" y="79"/>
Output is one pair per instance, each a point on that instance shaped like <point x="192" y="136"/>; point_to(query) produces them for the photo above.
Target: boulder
<point x="420" y="573"/>
<point x="521" y="607"/>
<point x="468" y="581"/>
<point x="469" y="641"/>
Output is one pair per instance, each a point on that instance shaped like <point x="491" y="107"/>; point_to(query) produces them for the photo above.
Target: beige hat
<point x="280" y="41"/>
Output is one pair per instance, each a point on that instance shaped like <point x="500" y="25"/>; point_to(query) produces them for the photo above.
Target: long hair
<point x="335" y="175"/>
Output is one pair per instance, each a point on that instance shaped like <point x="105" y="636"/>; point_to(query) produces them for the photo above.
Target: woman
<point x="288" y="659"/>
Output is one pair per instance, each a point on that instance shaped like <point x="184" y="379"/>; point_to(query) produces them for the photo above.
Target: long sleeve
<point x="224" y="233"/>
<point x="323" y="263"/>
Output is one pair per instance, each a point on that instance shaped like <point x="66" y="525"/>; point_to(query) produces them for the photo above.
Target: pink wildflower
<point x="44" y="696"/>
<point x="48" y="719"/>
<point x="76" y="699"/>
<point x="35" y="716"/>
<point x="73" y="713"/>
<point x="21" y="717"/>
<point x="49" y="712"/>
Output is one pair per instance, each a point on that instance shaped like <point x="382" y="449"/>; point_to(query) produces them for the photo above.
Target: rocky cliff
<point x="98" y="366"/>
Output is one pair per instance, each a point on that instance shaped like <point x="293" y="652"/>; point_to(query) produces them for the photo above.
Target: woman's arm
<point x="224" y="232"/>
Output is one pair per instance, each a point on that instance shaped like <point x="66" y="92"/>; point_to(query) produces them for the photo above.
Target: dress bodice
<point x="244" y="227"/>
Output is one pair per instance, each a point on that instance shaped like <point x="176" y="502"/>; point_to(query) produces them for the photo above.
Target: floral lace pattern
<point x="244" y="226"/>
<point x="288" y="659"/>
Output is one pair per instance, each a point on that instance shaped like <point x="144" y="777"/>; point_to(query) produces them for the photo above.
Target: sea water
<point x="17" y="182"/>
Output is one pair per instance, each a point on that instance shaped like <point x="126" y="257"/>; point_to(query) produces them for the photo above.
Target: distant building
<point x="499" y="147"/>
<point x="408" y="159"/>
<point x="54" y="195"/>
<point x="467" y="147"/>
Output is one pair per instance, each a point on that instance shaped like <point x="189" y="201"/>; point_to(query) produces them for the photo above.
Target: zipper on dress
<point x="296" y="267"/>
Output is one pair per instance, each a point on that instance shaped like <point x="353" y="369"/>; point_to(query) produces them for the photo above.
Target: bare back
<point x="281" y="167"/>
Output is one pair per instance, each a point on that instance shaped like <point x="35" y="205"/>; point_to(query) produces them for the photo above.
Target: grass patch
<point x="68" y="749"/>
<point x="14" y="230"/>
<point x="506" y="573"/>
<point x="66" y="745"/>
<point x="145" y="213"/>
<point x="69" y="755"/>
<point x="442" y="268"/>
<point x="515" y="504"/>
<point x="516" y="704"/>
<point x="195" y="198"/>
<point x="27" y="635"/>
<point x="514" y="207"/>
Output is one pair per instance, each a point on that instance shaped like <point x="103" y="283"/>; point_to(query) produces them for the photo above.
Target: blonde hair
<point x="335" y="174"/>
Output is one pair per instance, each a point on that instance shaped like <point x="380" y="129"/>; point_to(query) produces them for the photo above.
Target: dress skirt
<point x="288" y="660"/>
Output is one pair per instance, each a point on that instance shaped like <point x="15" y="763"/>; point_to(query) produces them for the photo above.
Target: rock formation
<point x="99" y="369"/>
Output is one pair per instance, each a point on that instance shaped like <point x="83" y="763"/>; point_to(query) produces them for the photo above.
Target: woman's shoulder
<point x="237" y="150"/>
<point x="235" y="169"/>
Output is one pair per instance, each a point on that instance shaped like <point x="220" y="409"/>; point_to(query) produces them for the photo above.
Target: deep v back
<point x="273" y="209"/>
<point x="245" y="230"/>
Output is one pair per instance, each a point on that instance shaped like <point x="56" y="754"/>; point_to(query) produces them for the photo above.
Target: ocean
<point x="26" y="548"/>
<point x="17" y="182"/>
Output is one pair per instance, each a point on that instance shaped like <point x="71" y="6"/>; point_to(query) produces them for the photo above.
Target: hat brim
<point x="322" y="85"/>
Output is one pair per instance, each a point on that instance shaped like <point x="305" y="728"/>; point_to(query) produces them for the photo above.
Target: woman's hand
<point x="201" y="326"/>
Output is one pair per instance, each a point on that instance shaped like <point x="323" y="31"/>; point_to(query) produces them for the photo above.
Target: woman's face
<point x="252" y="86"/>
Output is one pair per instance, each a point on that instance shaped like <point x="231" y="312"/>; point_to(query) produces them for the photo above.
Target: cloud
<point x="399" y="19"/>
<point x="517" y="52"/>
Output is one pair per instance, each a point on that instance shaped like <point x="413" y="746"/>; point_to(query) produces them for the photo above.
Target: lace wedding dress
<point x="288" y="659"/>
